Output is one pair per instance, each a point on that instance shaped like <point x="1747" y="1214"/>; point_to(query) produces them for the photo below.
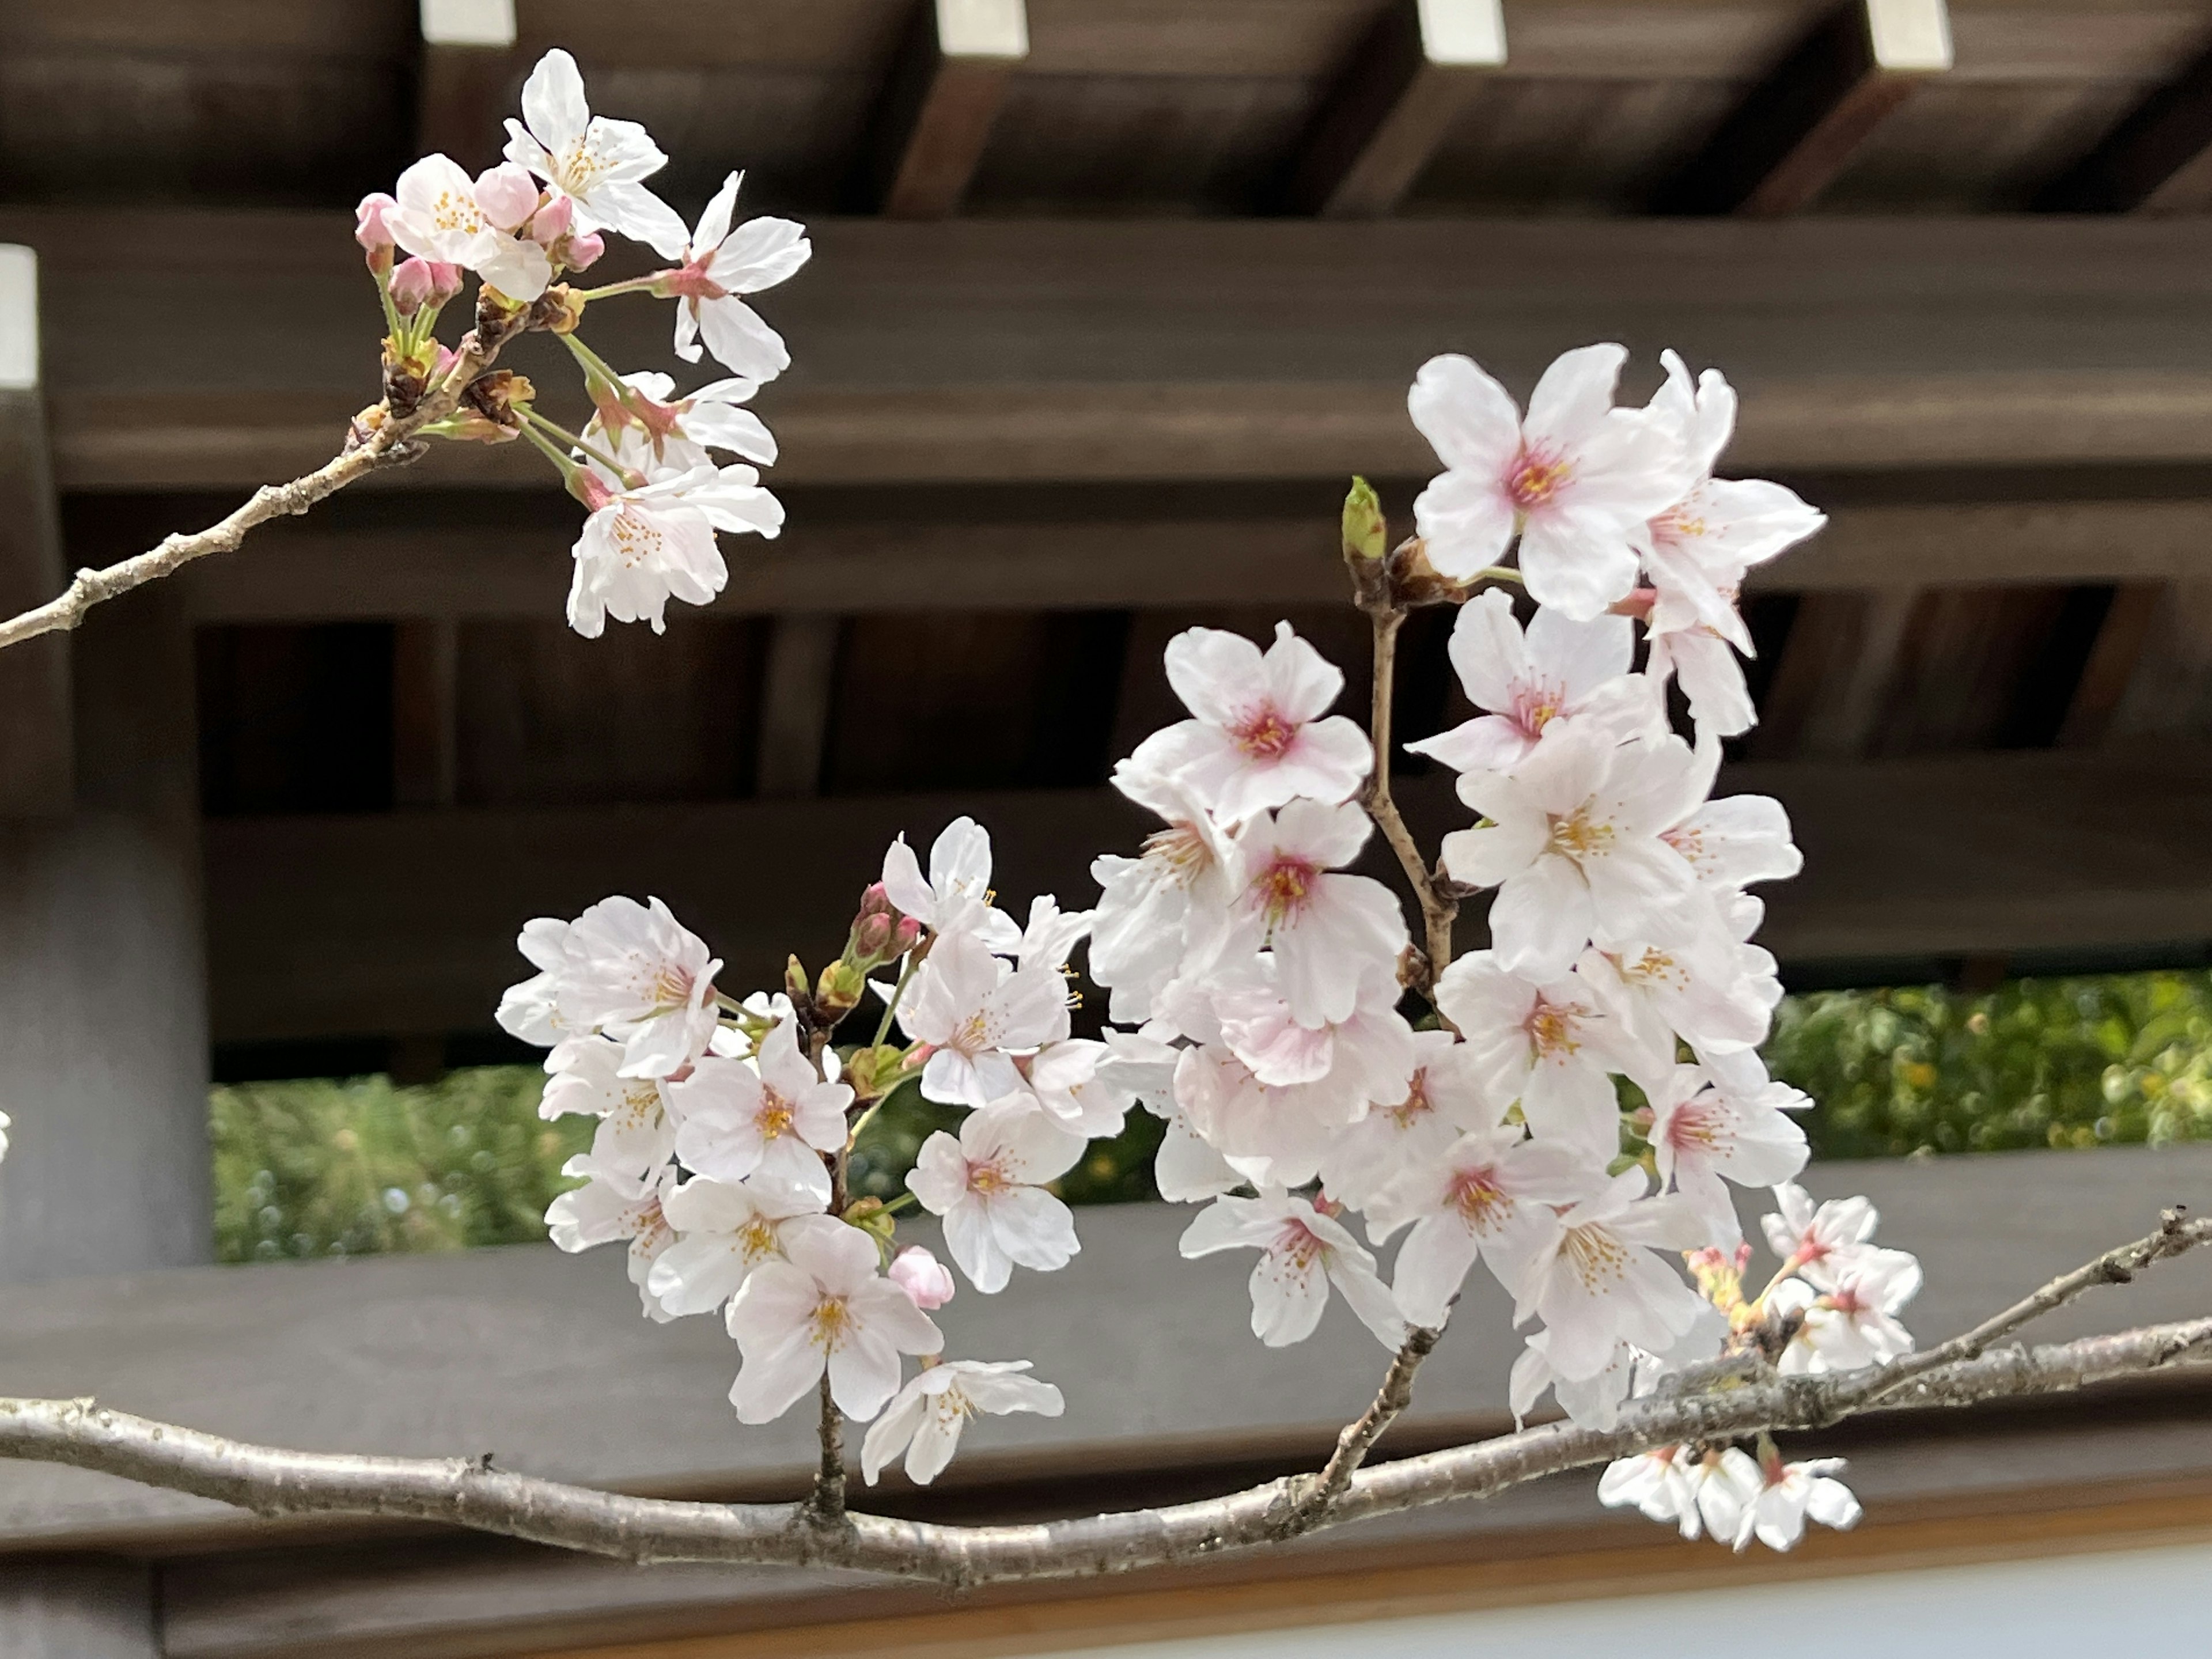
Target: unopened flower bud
<point x="922" y="1277"/>
<point x="412" y="284"/>
<point x="371" y="228"/>
<point x="837" y="993"/>
<point x="552" y="221"/>
<point x="445" y="282"/>
<point x="875" y="900"/>
<point x="584" y="251"/>
<point x="794" y="981"/>
<point x="872" y="939"/>
<point x="506" y="195"/>
<point x="905" y="936"/>
<point x="1365" y="534"/>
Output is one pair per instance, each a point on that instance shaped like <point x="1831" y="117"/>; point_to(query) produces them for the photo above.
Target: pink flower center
<point x="1480" y="1201"/>
<point x="1696" y="1129"/>
<point x="1283" y="889"/>
<point x="692" y="282"/>
<point x="1182" y="849"/>
<point x="1536" y="704"/>
<point x="1552" y="1029"/>
<point x="774" y="1117"/>
<point x="1597" y="1257"/>
<point x="1416" y="1105"/>
<point x="1264" y="734"/>
<point x="1298" y="1246"/>
<point x="1535" y="478"/>
<point x="987" y="1178"/>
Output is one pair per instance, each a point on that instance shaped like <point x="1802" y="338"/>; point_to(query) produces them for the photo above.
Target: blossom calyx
<point x="558" y="310"/>
<point x="838" y="991"/>
<point x="869" y="1215"/>
<point x="492" y="408"/>
<point x="874" y="1073"/>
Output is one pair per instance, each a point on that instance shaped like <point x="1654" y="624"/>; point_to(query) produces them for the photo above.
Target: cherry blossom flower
<point x="717" y="264"/>
<point x="1595" y="1281"/>
<point x="922" y="1277"/>
<point x="645" y="546"/>
<point x="1572" y="843"/>
<point x="1303" y="1252"/>
<point x="1577" y="480"/>
<point x="1819" y="1244"/>
<point x="1153" y="908"/>
<point x="1444" y="1098"/>
<point x="924" y="1420"/>
<point x="438" y="217"/>
<point x="725" y="1229"/>
<point x="1730" y="842"/>
<point x="1257" y="737"/>
<point x="1560" y="669"/>
<point x="1483" y="1196"/>
<point x="1699" y="986"/>
<point x="1052" y="934"/>
<point x="1549" y="1047"/>
<point x="635" y="1135"/>
<point x="977" y="1013"/>
<point x="1788" y="1495"/>
<point x="957" y="896"/>
<point x="988" y="1186"/>
<point x="1595" y="1400"/>
<point x="1700" y="1134"/>
<point x="773" y="1116"/>
<point x="597" y="163"/>
<point x="611" y="1208"/>
<point x="1712" y="679"/>
<point x="530" y="1012"/>
<point x="632" y="971"/>
<point x="1327" y="929"/>
<point x="669" y="431"/>
<point x="1062" y="1079"/>
<point x="824" y="1308"/>
<point x="1662" y="1484"/>
<point x="1854" y="1322"/>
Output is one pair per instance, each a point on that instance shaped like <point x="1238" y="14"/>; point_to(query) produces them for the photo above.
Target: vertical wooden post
<point x="37" y="775"/>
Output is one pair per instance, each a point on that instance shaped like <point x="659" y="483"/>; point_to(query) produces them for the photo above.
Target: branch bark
<point x="1438" y="909"/>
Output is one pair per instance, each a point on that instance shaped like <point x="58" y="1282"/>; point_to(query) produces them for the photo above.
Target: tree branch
<point x="1360" y="1436"/>
<point x="1438" y="909"/>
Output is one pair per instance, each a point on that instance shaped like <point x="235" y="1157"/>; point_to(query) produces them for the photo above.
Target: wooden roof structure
<point x="1108" y="297"/>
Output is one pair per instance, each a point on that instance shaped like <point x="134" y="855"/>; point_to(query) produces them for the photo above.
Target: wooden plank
<point x="425" y="765"/>
<point x="2157" y="160"/>
<point x="795" y="705"/>
<point x="1393" y="103"/>
<point x="936" y="113"/>
<point x="1800" y="127"/>
<point x="467" y="61"/>
<point x="37" y="764"/>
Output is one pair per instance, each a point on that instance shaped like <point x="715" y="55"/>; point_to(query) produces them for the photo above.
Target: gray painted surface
<point x="66" y="1607"/>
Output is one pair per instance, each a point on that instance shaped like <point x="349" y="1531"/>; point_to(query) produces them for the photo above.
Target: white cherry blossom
<point x="1444" y="1098"/>
<point x="1063" y="1079"/>
<point x="530" y="1012"/>
<point x="989" y="1185"/>
<point x="1577" y="480"/>
<point x="1853" y="1323"/>
<point x="1327" y="929"/>
<point x="439" y="216"/>
<point x="1819" y="1244"/>
<point x="1788" y="1496"/>
<point x="636" y="1135"/>
<point x="1153" y="908"/>
<point x="716" y="265"/>
<point x="773" y="1115"/>
<point x="1302" y="1253"/>
<point x="644" y="545"/>
<point x="1712" y="679"/>
<point x="956" y="898"/>
<point x="977" y="1014"/>
<point x="1662" y="1485"/>
<point x="1703" y="1138"/>
<point x="725" y="1229"/>
<point x="1595" y="1281"/>
<point x="1549" y="1047"/>
<point x="634" y="973"/>
<point x="1730" y="842"/>
<point x="1257" y="736"/>
<point x="677" y="432"/>
<point x="824" y="1307"/>
<point x="608" y="1210"/>
<point x="1559" y="669"/>
<point x="1699" y="986"/>
<point x="596" y="162"/>
<point x="924" y="1420"/>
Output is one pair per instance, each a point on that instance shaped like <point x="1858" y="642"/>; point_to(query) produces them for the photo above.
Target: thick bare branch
<point x="470" y="1493"/>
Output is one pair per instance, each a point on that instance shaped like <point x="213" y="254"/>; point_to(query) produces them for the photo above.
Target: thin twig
<point x="1438" y="909"/>
<point x="1360" y="1435"/>
<point x="826" y="1508"/>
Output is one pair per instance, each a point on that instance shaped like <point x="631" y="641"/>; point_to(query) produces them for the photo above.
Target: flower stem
<point x="630" y="477"/>
<point x="906" y="973"/>
<point x="630" y="285"/>
<point x="568" y="468"/>
<point x="1438" y="909"/>
<point x="591" y="361"/>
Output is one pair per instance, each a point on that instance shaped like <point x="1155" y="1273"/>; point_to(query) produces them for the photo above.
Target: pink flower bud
<point x="922" y="1277"/>
<point x="872" y="936"/>
<point x="584" y="251"/>
<point x="445" y="282"/>
<point x="412" y="284"/>
<point x="553" y="221"/>
<point x="875" y="900"/>
<point x="508" y="195"/>
<point x="905" y="936"/>
<point x="372" y="221"/>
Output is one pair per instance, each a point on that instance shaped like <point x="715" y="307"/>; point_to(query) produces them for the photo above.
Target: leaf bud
<point x="794" y="981"/>
<point x="1366" y="536"/>
<point x="837" y="993"/>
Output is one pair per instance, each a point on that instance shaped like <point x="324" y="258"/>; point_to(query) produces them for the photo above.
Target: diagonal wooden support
<point x="795" y="706"/>
<point x="937" y="109"/>
<point x="468" y="58"/>
<point x="2157" y="160"/>
<point x="36" y="764"/>
<point x="1407" y="83"/>
<point x="1800" y="127"/>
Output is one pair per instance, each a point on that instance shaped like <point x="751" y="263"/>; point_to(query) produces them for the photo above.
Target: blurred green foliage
<point x="347" y="1168"/>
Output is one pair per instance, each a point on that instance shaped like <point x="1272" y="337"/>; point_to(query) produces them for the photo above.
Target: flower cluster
<point x="645" y="464"/>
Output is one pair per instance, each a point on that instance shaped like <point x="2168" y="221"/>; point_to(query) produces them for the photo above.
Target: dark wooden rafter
<point x="36" y="761"/>
<point x="1831" y="688"/>
<point x="1396" y="99"/>
<point x="462" y="79"/>
<point x="935" y="114"/>
<point x="1798" y="128"/>
<point x="2157" y="160"/>
<point x="2130" y="623"/>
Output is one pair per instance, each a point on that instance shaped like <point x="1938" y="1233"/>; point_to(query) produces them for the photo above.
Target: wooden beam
<point x="2169" y="696"/>
<point x="2157" y="160"/>
<point x="461" y="88"/>
<point x="795" y="707"/>
<point x="2130" y="621"/>
<point x="425" y="747"/>
<point x="1798" y="128"/>
<point x="1831" y="686"/>
<point x="936" y="111"/>
<point x="1406" y="83"/>
<point x="37" y="767"/>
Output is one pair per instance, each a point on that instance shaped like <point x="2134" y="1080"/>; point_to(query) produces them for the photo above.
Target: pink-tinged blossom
<point x="634" y="973"/>
<point x="1327" y="930"/>
<point x="1819" y="1244"/>
<point x="922" y="1277"/>
<point x="636" y="1135"/>
<point x="989" y="1185"/>
<point x="1257" y="736"/>
<point x="1577" y="480"/>
<point x="1730" y="842"/>
<point x="1571" y="840"/>
<point x="642" y="546"/>
<point x="772" y="1115"/>
<point x="438" y="218"/>
<point x="1487" y="1195"/>
<point x="1699" y="986"/>
<point x="597" y="163"/>
<point x="607" y="1211"/>
<point x="824" y="1308"/>
<point x="1153" y="908"/>
<point x="1444" y="1099"/>
<point x="724" y="1229"/>
<point x="1303" y="1252"/>
<point x="372" y="227"/>
<point x="716" y="265"/>
<point x="654" y="429"/>
<point x="955" y="898"/>
<point x="508" y="196"/>
<point x="1788" y="1495"/>
<point x="1853" y="1323"/>
<point x="1559" y="669"/>
<point x="1703" y="1138"/>
<point x="1595" y="1401"/>
<point x="977" y="1014"/>
<point x="1062" y="1079"/>
<point x="1549" y="1047"/>
<point x="1596" y="1278"/>
<point x="925" y="1418"/>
